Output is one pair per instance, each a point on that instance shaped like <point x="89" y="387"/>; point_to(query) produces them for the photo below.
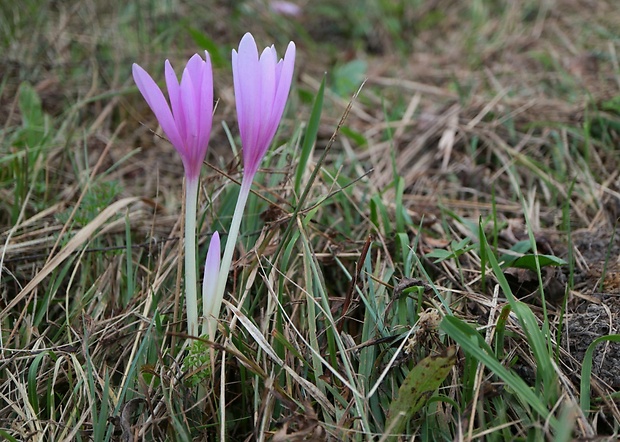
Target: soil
<point x="596" y="305"/>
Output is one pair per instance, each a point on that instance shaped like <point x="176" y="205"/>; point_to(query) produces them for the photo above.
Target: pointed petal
<point x="194" y="69"/>
<point x="261" y="89"/>
<point x="268" y="61"/>
<point x="188" y="103"/>
<point x="249" y="94"/>
<point x="172" y="83"/>
<point x="157" y="102"/>
<point x="192" y="101"/>
<point x="209" y="282"/>
<point x="237" y="88"/>
<point x="205" y="120"/>
<point x="284" y="78"/>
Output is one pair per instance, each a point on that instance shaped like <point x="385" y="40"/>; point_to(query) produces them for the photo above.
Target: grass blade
<point x="473" y="343"/>
<point x="310" y="137"/>
<point x="586" y="371"/>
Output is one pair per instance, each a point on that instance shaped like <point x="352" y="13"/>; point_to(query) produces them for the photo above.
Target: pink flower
<point x="187" y="121"/>
<point x="209" y="283"/>
<point x="261" y="89"/>
<point x="285" y="8"/>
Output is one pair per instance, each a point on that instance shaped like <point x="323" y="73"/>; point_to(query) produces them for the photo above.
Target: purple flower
<point x="261" y="89"/>
<point x="285" y="8"/>
<point x="209" y="283"/>
<point x="187" y="120"/>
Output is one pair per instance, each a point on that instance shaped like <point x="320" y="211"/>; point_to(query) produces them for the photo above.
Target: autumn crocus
<point x="261" y="85"/>
<point x="186" y="121"/>
<point x="212" y="269"/>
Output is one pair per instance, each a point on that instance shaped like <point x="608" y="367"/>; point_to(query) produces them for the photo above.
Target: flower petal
<point x="172" y="83"/>
<point x="192" y="72"/>
<point x="261" y="89"/>
<point x="157" y="102"/>
<point x="248" y="93"/>
<point x="209" y="282"/>
<point x="268" y="62"/>
<point x="205" y="105"/>
<point x="241" y="116"/>
<point x="284" y="79"/>
<point x="283" y="73"/>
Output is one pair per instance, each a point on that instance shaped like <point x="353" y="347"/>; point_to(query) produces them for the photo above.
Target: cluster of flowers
<point x="261" y="85"/>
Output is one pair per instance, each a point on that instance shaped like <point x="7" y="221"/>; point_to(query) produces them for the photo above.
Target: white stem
<point x="191" y="303"/>
<point x="233" y="233"/>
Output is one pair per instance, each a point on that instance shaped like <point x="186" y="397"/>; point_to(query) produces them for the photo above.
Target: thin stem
<point x="191" y="303"/>
<point x="233" y="233"/>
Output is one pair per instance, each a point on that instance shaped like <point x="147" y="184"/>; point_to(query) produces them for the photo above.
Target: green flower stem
<point x="233" y="233"/>
<point x="191" y="303"/>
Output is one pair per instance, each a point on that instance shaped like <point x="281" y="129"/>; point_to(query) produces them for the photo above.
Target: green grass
<point x="412" y="262"/>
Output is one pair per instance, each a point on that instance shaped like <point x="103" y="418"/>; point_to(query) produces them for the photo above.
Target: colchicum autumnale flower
<point x="261" y="85"/>
<point x="212" y="269"/>
<point x="186" y="121"/>
<point x="261" y="90"/>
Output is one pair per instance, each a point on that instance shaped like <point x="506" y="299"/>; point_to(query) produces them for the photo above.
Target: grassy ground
<point x="448" y="273"/>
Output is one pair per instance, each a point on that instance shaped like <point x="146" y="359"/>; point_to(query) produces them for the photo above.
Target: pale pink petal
<point x="285" y="8"/>
<point x="187" y="121"/>
<point x="188" y="102"/>
<point x="209" y="282"/>
<point x="237" y="89"/>
<point x="250" y="86"/>
<point x="157" y="102"/>
<point x="212" y="269"/>
<point x="205" y="113"/>
<point x="174" y="92"/>
<point x="268" y="62"/>
<point x="284" y="77"/>
<point x="261" y="89"/>
<point x="212" y="264"/>
<point x="193" y="70"/>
